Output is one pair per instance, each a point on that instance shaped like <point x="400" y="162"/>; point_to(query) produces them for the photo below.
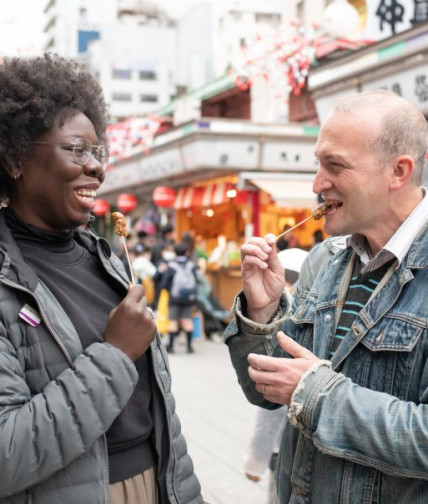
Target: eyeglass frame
<point x="73" y="144"/>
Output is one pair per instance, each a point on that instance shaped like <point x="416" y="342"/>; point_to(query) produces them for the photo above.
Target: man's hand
<point x="277" y="378"/>
<point x="263" y="277"/>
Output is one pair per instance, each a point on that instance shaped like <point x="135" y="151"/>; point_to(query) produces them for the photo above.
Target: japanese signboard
<point x="389" y="17"/>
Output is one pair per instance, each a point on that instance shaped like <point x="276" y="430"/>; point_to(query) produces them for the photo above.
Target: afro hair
<point x="36" y="92"/>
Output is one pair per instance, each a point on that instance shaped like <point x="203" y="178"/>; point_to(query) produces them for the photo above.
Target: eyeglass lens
<point x="83" y="150"/>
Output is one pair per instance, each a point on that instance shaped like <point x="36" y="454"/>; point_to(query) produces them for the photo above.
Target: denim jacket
<point x="358" y="423"/>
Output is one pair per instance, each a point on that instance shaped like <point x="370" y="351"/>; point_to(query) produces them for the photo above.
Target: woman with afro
<point x="86" y="412"/>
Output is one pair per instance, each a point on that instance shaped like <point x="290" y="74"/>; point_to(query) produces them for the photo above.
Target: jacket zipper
<point x="107" y="470"/>
<point x="68" y="358"/>
<point x="174" y="457"/>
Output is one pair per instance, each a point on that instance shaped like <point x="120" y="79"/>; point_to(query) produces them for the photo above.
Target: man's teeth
<point x="84" y="193"/>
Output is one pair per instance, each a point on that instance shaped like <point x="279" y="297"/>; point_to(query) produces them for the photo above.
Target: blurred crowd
<point x="152" y="259"/>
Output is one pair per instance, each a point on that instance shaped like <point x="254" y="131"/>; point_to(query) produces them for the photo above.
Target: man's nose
<point x="321" y="181"/>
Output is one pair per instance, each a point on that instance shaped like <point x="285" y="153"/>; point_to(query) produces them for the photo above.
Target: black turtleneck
<point x="87" y="294"/>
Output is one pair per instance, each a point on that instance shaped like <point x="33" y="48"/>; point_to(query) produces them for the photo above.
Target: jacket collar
<point x="12" y="263"/>
<point x="417" y="257"/>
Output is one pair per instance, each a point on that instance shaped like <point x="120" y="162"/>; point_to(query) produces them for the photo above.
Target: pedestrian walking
<point x="180" y="282"/>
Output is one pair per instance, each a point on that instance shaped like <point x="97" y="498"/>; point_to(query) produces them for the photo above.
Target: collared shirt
<point x="398" y="245"/>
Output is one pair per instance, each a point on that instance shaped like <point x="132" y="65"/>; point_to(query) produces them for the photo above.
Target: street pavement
<point x="217" y="422"/>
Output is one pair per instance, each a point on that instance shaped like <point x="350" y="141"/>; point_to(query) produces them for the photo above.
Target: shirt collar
<point x="398" y="245"/>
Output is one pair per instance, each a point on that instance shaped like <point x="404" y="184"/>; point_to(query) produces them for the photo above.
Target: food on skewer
<point x="121" y="229"/>
<point x="325" y="208"/>
<point x="119" y="221"/>
<point x="317" y="213"/>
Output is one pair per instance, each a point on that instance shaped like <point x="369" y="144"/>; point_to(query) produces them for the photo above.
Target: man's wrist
<point x="265" y="315"/>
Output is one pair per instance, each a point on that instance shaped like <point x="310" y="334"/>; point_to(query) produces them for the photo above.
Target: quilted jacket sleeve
<point x="44" y="432"/>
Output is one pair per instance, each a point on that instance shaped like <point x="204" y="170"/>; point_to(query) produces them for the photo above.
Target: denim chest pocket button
<point x="356" y="330"/>
<point x="327" y="317"/>
<point x="393" y="334"/>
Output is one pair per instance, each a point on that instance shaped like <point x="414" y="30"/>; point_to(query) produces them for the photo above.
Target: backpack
<point x="183" y="288"/>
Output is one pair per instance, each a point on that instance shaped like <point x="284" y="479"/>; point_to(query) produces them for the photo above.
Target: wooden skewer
<point x="129" y="260"/>
<point x="294" y="227"/>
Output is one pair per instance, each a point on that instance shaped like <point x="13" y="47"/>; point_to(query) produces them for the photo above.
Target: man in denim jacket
<point x="349" y="353"/>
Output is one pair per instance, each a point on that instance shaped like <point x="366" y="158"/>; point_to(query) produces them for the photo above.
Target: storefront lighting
<point x="210" y="212"/>
<point x="231" y="193"/>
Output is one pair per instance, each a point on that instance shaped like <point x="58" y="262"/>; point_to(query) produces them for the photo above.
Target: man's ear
<point x="404" y="168"/>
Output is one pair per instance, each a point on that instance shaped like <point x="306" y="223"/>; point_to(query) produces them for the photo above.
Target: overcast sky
<point x="21" y="26"/>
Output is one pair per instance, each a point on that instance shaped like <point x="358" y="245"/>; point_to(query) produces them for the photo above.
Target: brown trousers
<point x="141" y="489"/>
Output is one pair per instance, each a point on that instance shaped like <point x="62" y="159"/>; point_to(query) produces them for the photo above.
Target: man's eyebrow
<point x="333" y="157"/>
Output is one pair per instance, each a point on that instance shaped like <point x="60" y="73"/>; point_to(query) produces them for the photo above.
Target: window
<point x="149" y="98"/>
<point x="119" y="73"/>
<point x="123" y="97"/>
<point x="147" y="75"/>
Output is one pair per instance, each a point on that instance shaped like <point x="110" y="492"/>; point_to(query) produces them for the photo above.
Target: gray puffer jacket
<point x="57" y="401"/>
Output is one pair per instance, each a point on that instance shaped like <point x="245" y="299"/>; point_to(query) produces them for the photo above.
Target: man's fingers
<point x="291" y="347"/>
<point x="262" y="362"/>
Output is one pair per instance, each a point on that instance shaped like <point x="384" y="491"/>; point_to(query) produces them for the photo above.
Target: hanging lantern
<point x="102" y="207"/>
<point x="163" y="196"/>
<point x="126" y="202"/>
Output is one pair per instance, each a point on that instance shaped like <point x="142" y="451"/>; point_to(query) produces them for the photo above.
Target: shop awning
<point x="287" y="189"/>
<point x="206" y="196"/>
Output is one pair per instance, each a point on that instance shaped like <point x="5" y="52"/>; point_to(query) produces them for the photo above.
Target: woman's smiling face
<point x="53" y="191"/>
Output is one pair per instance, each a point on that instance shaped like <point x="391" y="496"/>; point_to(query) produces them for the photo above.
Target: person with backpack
<point x="180" y="282"/>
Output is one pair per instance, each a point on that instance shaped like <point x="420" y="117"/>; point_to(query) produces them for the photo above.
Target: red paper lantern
<point x="163" y="196"/>
<point x="101" y="207"/>
<point x="126" y="202"/>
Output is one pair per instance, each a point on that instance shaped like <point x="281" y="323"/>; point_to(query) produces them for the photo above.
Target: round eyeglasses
<point x="83" y="150"/>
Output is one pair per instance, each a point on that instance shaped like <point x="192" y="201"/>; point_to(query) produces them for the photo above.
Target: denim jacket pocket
<point x="394" y="334"/>
<point x="393" y="346"/>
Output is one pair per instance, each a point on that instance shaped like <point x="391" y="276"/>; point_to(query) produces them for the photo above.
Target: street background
<point x="217" y="422"/>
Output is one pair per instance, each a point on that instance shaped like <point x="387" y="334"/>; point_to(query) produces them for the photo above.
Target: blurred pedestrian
<point x="287" y="241"/>
<point x="167" y="254"/>
<point x="166" y="239"/>
<point x="144" y="271"/>
<point x="317" y="238"/>
<point x="86" y="408"/>
<point x="180" y="281"/>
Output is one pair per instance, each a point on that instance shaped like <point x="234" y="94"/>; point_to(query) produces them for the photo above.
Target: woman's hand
<point x="263" y="277"/>
<point x="131" y="327"/>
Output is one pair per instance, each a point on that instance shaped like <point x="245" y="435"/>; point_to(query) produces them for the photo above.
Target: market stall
<point x="222" y="217"/>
